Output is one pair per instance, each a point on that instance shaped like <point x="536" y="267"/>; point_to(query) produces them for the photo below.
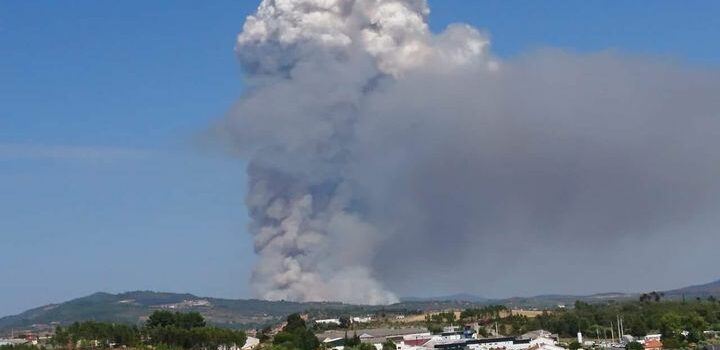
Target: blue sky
<point x="101" y="185"/>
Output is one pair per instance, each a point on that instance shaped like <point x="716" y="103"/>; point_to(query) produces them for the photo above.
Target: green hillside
<point x="134" y="307"/>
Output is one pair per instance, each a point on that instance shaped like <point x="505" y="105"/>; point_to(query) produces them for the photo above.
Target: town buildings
<point x="451" y="339"/>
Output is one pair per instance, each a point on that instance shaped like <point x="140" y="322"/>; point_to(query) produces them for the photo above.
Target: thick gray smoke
<point x="383" y="156"/>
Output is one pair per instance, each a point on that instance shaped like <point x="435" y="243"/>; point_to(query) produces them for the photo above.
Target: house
<point x="711" y="334"/>
<point x="543" y="341"/>
<point x="504" y="343"/>
<point x="380" y="335"/>
<point x="653" y="344"/>
<point x="334" y="321"/>
<point x="539" y="333"/>
<point x="490" y="343"/>
<point x="336" y="343"/>
<point x="413" y="340"/>
<point x="627" y="339"/>
<point x="653" y="337"/>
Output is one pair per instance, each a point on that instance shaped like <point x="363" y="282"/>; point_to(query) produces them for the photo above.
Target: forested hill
<point x="134" y="307"/>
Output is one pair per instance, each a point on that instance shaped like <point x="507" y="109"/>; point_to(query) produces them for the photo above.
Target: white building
<point x="334" y="343"/>
<point x="328" y="321"/>
<point x="657" y="337"/>
<point x="251" y="343"/>
<point x="537" y="334"/>
<point x="507" y="343"/>
<point x="543" y="341"/>
<point x="413" y="341"/>
<point x="491" y="343"/>
<point x="12" y="342"/>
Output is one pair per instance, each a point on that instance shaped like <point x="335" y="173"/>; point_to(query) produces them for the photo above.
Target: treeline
<point x="18" y="347"/>
<point x="487" y="313"/>
<point x="96" y="335"/>
<point x="188" y="331"/>
<point x="671" y="318"/>
<point x="163" y="328"/>
<point x="681" y="323"/>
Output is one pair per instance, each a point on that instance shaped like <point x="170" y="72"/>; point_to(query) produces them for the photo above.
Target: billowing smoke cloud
<point x="383" y="156"/>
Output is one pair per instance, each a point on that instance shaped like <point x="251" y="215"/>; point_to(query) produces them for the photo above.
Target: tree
<point x="695" y="325"/>
<point x="189" y="320"/>
<point x="389" y="345"/>
<point x="670" y="325"/>
<point x="294" y="322"/>
<point x="434" y="329"/>
<point x="344" y="322"/>
<point x="61" y="337"/>
<point x="264" y="334"/>
<point x="634" y="346"/>
<point x="672" y="343"/>
<point x="160" y="318"/>
<point x="295" y="335"/>
<point x="574" y="345"/>
<point x="351" y="342"/>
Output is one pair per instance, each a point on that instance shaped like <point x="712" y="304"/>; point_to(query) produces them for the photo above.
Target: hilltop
<point x="697" y="291"/>
<point x="134" y="307"/>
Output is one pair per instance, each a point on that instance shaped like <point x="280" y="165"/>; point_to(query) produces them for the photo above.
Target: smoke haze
<point x="387" y="159"/>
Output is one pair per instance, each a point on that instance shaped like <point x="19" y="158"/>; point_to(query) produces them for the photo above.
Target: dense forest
<point x="162" y="329"/>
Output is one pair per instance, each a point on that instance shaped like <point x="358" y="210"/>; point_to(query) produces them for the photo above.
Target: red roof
<point x="653" y="344"/>
<point x="416" y="342"/>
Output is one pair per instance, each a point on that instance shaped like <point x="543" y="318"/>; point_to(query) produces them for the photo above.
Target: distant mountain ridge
<point x="696" y="291"/>
<point x="134" y="307"/>
<point x="454" y="297"/>
<point x="533" y="301"/>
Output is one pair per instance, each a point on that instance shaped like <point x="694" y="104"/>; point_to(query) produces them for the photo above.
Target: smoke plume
<point x="383" y="156"/>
